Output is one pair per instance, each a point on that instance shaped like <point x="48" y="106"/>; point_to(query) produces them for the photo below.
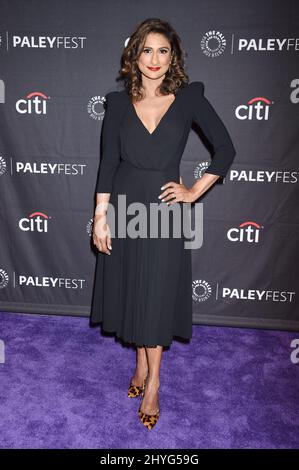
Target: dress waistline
<point x="159" y="170"/>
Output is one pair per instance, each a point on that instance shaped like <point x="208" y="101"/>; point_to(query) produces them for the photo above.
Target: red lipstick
<point x="154" y="68"/>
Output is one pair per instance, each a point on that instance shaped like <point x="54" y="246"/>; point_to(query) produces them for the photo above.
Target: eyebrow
<point x="160" y="47"/>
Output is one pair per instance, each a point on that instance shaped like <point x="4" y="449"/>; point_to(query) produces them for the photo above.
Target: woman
<point x="142" y="289"/>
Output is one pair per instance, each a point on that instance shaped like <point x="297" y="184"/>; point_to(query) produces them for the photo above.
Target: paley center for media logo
<point x="26" y="280"/>
<point x="3" y="166"/>
<point x="42" y="168"/>
<point x="200" y="168"/>
<point x="252" y="176"/>
<point x="202" y="291"/>
<point x="95" y="108"/>
<point x="213" y="43"/>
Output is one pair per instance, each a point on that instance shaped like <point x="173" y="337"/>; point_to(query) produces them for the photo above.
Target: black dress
<point x="142" y="291"/>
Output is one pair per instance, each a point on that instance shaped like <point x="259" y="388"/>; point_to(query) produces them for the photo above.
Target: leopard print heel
<point x="149" y="420"/>
<point x="135" y="391"/>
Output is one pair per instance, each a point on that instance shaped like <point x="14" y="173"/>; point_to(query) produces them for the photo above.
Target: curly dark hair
<point x="129" y="72"/>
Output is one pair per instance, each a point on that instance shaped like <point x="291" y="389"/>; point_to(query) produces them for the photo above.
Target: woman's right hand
<point x="101" y="234"/>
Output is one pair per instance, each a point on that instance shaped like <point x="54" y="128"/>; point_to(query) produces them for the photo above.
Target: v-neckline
<point x="159" y="123"/>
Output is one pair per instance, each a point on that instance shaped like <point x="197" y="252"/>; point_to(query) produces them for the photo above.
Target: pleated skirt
<point x="143" y="291"/>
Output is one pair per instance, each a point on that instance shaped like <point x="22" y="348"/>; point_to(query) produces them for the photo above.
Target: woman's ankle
<point x="153" y="382"/>
<point x="141" y="368"/>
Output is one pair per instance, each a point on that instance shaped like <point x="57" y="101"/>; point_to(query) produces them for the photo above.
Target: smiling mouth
<point x="154" y="68"/>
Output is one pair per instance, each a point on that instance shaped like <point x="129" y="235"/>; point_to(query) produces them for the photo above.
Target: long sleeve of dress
<point x="110" y="153"/>
<point x="215" y="131"/>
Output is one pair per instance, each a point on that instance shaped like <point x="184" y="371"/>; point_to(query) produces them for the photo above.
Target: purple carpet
<point x="64" y="385"/>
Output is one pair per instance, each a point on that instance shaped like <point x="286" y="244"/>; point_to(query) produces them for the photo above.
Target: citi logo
<point x="246" y="232"/>
<point x="36" y="222"/>
<point x="256" y="108"/>
<point x="33" y="103"/>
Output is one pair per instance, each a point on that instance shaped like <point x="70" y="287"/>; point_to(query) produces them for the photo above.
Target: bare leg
<point x="141" y="366"/>
<point x="150" y="402"/>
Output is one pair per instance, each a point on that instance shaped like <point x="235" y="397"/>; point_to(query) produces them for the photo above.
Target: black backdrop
<point x="58" y="59"/>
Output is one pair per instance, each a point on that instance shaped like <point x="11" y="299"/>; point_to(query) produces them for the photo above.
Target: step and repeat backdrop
<point x="58" y="59"/>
